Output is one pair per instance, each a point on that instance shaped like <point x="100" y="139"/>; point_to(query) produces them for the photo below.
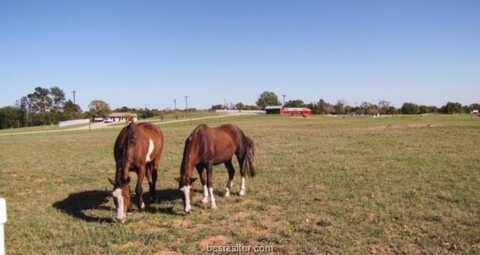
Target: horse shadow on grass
<point x="163" y="195"/>
<point x="76" y="204"/>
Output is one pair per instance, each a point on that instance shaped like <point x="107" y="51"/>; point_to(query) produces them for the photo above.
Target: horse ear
<point x="111" y="181"/>
<point x="192" y="180"/>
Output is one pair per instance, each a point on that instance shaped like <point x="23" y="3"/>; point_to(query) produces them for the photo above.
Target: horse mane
<point x="198" y="128"/>
<point x="130" y="140"/>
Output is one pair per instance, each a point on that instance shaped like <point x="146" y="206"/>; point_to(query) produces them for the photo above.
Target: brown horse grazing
<point x="138" y="148"/>
<point x="207" y="147"/>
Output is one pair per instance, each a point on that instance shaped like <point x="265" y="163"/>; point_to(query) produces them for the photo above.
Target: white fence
<point x="3" y="220"/>
<point x="69" y="123"/>
<point x="240" y="111"/>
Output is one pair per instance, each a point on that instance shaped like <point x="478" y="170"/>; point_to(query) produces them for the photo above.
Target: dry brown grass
<point x="323" y="185"/>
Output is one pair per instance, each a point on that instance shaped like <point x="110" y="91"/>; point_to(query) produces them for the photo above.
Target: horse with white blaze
<point x="138" y="149"/>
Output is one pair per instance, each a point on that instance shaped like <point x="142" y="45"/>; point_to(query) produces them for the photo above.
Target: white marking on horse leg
<point x="142" y="205"/>
<point x="212" y="198"/>
<point x="117" y="193"/>
<point x="228" y="188"/>
<point x="205" y="194"/>
<point x="186" y="193"/>
<point x="243" y="190"/>
<point x="151" y="147"/>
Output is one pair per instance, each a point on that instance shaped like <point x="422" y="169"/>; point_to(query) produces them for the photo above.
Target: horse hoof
<point x="242" y="193"/>
<point x="122" y="221"/>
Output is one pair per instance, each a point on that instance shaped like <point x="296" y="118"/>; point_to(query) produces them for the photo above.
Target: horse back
<point x="144" y="143"/>
<point x="225" y="142"/>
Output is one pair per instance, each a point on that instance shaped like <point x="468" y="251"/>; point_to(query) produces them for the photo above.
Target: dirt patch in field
<point x="379" y="249"/>
<point x="384" y="127"/>
<point x="121" y="248"/>
<point x="166" y="252"/>
<point x="240" y="216"/>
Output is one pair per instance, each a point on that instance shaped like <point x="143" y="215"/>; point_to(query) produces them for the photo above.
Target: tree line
<point x="269" y="98"/>
<point x="43" y="106"/>
<point x="47" y="106"/>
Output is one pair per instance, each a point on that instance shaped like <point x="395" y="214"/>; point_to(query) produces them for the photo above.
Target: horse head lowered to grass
<point x="206" y="147"/>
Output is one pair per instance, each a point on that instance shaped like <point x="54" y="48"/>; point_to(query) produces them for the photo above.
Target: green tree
<point x="71" y="110"/>
<point x="267" y="98"/>
<point x="383" y="106"/>
<point x="451" y="108"/>
<point x="58" y="98"/>
<point x="340" y="107"/>
<point x="40" y="100"/>
<point x="240" y="106"/>
<point x="11" y="117"/>
<point x="295" y="103"/>
<point x="99" y="108"/>
<point x="473" y="107"/>
<point x="410" y="108"/>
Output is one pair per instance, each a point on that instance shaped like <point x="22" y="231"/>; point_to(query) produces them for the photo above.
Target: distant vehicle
<point x="476" y="112"/>
<point x="108" y="120"/>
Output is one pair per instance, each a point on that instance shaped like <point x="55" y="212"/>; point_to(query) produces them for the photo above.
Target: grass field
<point x="338" y="185"/>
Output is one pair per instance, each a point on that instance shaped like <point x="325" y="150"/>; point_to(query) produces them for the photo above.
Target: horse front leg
<point x="139" y="189"/>
<point x="201" y="174"/>
<point x="210" y="185"/>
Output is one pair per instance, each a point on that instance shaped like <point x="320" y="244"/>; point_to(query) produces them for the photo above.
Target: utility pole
<point x="284" y="99"/>
<point x="175" y="108"/>
<point x="74" y="99"/>
<point x="186" y="106"/>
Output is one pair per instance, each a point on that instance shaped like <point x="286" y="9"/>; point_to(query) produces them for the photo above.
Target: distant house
<point x="116" y="117"/>
<point x="288" y="111"/>
<point x="476" y="112"/>
<point x="291" y="111"/>
<point x="122" y="116"/>
<point x="276" y="109"/>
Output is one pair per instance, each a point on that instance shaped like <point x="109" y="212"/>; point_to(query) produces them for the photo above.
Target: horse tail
<point x="249" y="157"/>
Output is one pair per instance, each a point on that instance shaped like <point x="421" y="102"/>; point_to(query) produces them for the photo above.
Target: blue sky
<point x="146" y="53"/>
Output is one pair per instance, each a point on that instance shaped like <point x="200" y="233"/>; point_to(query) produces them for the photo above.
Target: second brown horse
<point x="206" y="147"/>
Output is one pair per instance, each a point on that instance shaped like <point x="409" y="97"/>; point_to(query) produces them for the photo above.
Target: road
<point x="103" y="125"/>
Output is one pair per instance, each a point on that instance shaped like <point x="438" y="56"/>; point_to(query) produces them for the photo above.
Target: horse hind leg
<point x="152" y="175"/>
<point x="243" y="189"/>
<point x="231" y="174"/>
<point x="139" y="189"/>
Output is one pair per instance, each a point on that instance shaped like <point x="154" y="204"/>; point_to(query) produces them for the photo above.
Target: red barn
<point x="290" y="111"/>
